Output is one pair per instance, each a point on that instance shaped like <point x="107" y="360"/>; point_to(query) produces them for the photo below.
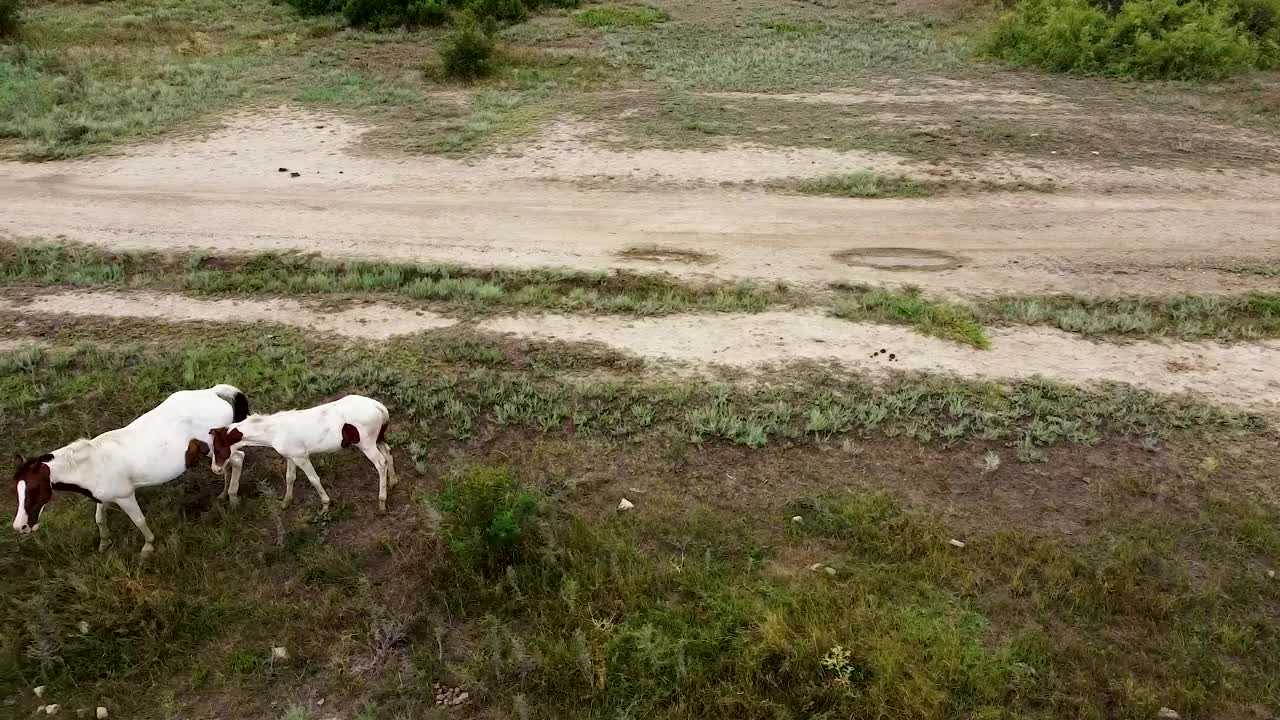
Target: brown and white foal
<point x="298" y="434"/>
<point x="152" y="450"/>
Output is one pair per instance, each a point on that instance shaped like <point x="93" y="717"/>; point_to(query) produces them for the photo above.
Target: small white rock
<point x="463" y="697"/>
<point x="830" y="570"/>
<point x="84" y="627"/>
<point x="320" y="701"/>
<point x="797" y="519"/>
<point x="280" y="653"/>
<point x="38" y="690"/>
<point x="625" y="504"/>
<point x="102" y="713"/>
<point x="815" y="567"/>
<point x="1095" y="152"/>
<point x="52" y="709"/>
<point x="1168" y="714"/>
<point x="955" y="543"/>
<point x="1271" y="574"/>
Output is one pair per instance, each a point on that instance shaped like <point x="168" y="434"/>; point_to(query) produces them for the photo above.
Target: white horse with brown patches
<point x="152" y="450"/>
<point x="299" y="434"/>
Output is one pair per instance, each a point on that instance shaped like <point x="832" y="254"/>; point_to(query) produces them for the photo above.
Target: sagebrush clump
<point x="387" y="14"/>
<point x="1145" y="39"/>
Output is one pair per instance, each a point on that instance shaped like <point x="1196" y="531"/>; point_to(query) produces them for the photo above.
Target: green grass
<point x="616" y="16"/>
<point x="748" y="57"/>
<point x="462" y="289"/>
<point x="787" y="25"/>
<point x="909" y="306"/>
<point x="541" y="597"/>
<point x="677" y="609"/>
<point x="867" y="185"/>
<point x="1246" y="316"/>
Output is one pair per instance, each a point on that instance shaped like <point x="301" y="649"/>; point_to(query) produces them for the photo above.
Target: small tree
<point x="468" y="50"/>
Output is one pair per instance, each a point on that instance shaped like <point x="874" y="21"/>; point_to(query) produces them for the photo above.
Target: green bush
<point x="1144" y="39"/>
<point x="513" y="11"/>
<point x="488" y="518"/>
<point x="10" y="20"/>
<point x="468" y="51"/>
<point x="432" y="13"/>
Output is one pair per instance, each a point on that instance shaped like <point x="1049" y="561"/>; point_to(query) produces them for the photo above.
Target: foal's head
<point x="34" y="488"/>
<point x="223" y="439"/>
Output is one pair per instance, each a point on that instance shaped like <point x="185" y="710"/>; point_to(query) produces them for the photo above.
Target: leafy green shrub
<point x="10" y="20"/>
<point x="432" y="13"/>
<point x="513" y="11"/>
<point x="1189" y="40"/>
<point x="468" y="51"/>
<point x="489" y="518"/>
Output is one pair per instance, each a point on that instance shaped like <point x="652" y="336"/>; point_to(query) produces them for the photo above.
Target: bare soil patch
<point x="899" y="259"/>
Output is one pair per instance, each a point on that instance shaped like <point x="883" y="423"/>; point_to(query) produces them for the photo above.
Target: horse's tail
<point x="239" y="403"/>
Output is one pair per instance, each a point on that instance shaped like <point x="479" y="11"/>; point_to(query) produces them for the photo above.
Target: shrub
<point x="427" y="12"/>
<point x="1139" y="38"/>
<point x="504" y="10"/>
<point x="489" y="518"/>
<point x="10" y="19"/>
<point x="615" y="16"/>
<point x="468" y="51"/>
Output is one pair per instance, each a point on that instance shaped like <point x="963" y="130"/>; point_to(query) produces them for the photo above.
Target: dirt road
<point x="1242" y="375"/>
<point x="227" y="192"/>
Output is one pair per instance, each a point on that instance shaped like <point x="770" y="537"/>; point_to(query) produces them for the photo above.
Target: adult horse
<point x="152" y="450"/>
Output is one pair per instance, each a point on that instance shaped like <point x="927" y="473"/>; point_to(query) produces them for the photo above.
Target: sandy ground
<point x="225" y="193"/>
<point x="376" y="322"/>
<point x="1244" y="375"/>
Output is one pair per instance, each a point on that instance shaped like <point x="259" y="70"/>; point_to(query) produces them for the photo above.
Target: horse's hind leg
<point x="290" y="472"/>
<point x="100" y="517"/>
<point x="392" y="479"/>
<point x="375" y="456"/>
<point x="130" y="507"/>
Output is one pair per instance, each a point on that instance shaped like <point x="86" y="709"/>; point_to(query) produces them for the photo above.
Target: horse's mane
<point x="74" y="454"/>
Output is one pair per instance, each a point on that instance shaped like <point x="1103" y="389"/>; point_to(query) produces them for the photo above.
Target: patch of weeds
<point x="10" y="18"/>
<point x="617" y="16"/>
<point x="866" y="185"/>
<point x="787" y="25"/>
<point x="909" y="306"/>
<point x="1248" y="316"/>
<point x="245" y="662"/>
<point x="489" y="518"/>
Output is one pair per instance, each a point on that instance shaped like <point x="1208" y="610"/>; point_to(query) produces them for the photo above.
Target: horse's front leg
<point x="130" y="507"/>
<point x="236" y="461"/>
<point x="104" y="536"/>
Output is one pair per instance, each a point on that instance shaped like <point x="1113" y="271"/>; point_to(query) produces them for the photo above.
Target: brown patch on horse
<point x="196" y="452"/>
<point x="223" y="439"/>
<point x="382" y="433"/>
<point x="350" y="435"/>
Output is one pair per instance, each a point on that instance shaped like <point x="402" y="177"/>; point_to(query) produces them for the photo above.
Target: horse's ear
<point x="17" y="458"/>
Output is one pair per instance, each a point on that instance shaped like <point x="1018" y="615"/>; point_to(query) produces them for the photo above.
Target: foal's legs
<point x="100" y="517"/>
<point x="290" y="472"/>
<point x="375" y="456"/>
<point x="236" y="461"/>
<point x="304" y="463"/>
<point x="385" y="449"/>
<point x="130" y="507"/>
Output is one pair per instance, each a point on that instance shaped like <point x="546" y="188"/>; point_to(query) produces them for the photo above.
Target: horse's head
<point x="223" y="439"/>
<point x="35" y="488"/>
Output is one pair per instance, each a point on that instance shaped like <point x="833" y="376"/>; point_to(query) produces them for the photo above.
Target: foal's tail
<point x="239" y="403"/>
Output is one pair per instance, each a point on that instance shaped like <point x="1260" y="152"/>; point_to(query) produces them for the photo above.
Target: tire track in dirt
<point x="1243" y="375"/>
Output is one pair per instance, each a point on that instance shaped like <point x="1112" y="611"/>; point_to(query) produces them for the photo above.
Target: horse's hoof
<point x="235" y="501"/>
<point x="103" y="545"/>
<point x="382" y="507"/>
<point x="147" y="550"/>
<point x="223" y="496"/>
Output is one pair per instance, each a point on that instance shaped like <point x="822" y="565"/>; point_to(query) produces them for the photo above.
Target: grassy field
<point x="470" y="291"/>
<point x="1131" y="577"/>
